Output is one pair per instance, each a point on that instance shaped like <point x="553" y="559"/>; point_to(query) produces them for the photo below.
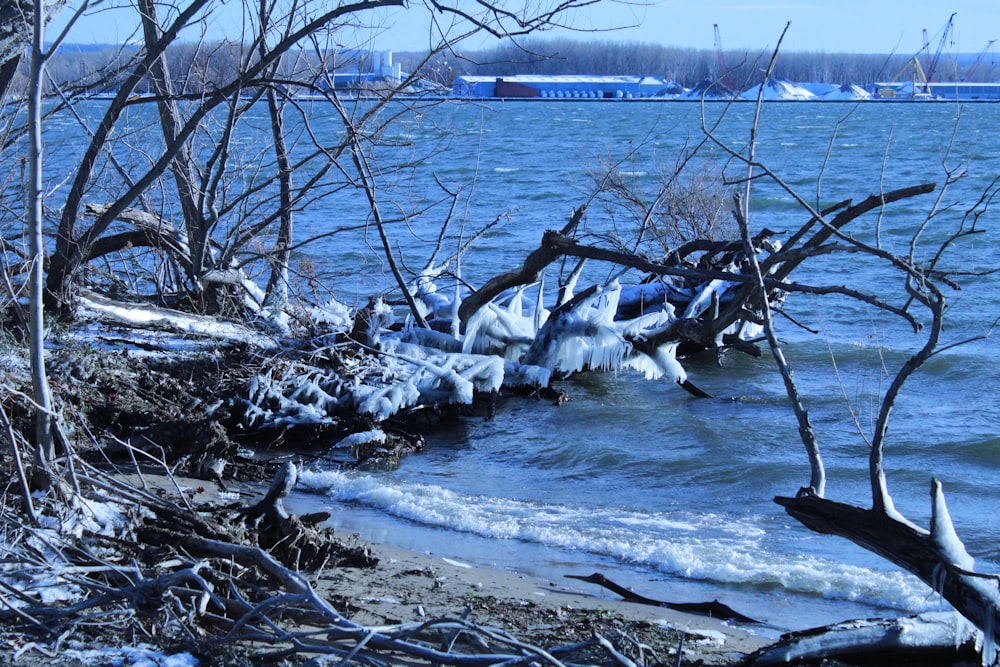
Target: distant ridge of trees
<point x="94" y="65"/>
<point x="688" y="66"/>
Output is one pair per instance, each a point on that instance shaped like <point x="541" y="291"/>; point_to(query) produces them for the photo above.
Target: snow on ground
<point x="126" y="656"/>
<point x="95" y="306"/>
<point x="776" y="89"/>
<point x="848" y="91"/>
<point x="40" y="579"/>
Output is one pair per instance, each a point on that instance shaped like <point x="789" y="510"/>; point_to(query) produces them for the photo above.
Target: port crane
<point x="918" y="81"/>
<point x="940" y="47"/>
<point x="971" y="69"/>
<point x="723" y="70"/>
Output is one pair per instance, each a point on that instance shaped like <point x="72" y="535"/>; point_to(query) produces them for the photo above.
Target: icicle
<point x="943" y="531"/>
<point x="666" y="359"/>
<point x="540" y="314"/>
<point x="456" y="324"/>
<point x="516" y="305"/>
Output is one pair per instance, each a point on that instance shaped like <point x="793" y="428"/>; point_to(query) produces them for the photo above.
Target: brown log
<point x="715" y="609"/>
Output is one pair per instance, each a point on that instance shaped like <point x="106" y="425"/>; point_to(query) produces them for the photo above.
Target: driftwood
<point x="697" y="263"/>
<point x="240" y="593"/>
<point x="974" y="595"/>
<point x="715" y="609"/>
<point x="927" y="639"/>
<point x="271" y="505"/>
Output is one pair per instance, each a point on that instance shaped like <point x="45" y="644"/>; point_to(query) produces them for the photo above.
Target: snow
<point x="776" y="89"/>
<point x="943" y="531"/>
<point x="848" y="91"/>
<point x="81" y="517"/>
<point x="93" y="306"/>
<point x="376" y="435"/>
<point x="127" y="656"/>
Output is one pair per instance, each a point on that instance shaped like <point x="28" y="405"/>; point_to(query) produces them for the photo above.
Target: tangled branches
<point x="121" y="564"/>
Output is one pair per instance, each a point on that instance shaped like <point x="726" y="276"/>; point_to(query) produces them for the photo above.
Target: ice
<point x="584" y="336"/>
<point x="375" y="435"/>
<point x="525" y="375"/>
<point x="333" y="314"/>
<point x="943" y="531"/>
<point x="701" y="303"/>
<point x="498" y="330"/>
<point x="512" y="341"/>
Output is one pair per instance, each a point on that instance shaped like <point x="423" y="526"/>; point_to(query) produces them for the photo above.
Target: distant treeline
<point x="197" y="67"/>
<point x="689" y="67"/>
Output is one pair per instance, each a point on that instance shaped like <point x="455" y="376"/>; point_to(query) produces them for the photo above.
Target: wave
<point x="708" y="547"/>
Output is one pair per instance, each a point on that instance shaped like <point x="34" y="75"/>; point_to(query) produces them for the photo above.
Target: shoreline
<point x="410" y="585"/>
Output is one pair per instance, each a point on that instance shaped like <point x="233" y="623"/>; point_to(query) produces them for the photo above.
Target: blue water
<point x="673" y="495"/>
<point x="664" y="492"/>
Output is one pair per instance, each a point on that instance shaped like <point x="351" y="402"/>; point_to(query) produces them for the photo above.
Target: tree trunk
<point x="44" y="446"/>
<point x="975" y="596"/>
<point x="276" y="295"/>
<point x="181" y="165"/>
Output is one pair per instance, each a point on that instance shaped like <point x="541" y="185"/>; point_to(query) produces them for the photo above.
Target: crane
<point x="926" y="50"/>
<point x="940" y="47"/>
<point x="971" y="69"/>
<point x="723" y="73"/>
<point x="918" y="81"/>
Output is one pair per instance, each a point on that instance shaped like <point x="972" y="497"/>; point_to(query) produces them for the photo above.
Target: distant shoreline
<point x="715" y="100"/>
<point x="655" y="100"/>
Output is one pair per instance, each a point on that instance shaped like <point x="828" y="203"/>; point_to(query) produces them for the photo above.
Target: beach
<point x="412" y="586"/>
<point x="408" y="586"/>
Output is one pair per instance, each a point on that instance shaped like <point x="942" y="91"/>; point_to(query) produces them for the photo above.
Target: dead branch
<point x="715" y="609"/>
<point x="907" y="546"/>
<point x="548" y="252"/>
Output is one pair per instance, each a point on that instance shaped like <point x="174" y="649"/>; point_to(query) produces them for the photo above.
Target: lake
<point x="670" y="494"/>
<point x="661" y="491"/>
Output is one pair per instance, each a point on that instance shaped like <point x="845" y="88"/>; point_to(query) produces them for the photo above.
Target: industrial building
<point x="962" y="91"/>
<point x="526" y="86"/>
<point x="358" y="72"/>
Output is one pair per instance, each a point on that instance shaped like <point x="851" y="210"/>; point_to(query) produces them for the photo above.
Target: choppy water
<point x="672" y="494"/>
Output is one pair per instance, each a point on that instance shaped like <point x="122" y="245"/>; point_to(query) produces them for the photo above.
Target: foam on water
<point x="701" y="546"/>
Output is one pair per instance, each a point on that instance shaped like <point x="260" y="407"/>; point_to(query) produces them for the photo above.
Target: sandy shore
<point x="412" y="585"/>
<point x="409" y="586"/>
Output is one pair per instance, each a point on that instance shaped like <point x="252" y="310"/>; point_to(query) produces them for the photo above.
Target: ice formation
<point x="943" y="531"/>
<point x="512" y="341"/>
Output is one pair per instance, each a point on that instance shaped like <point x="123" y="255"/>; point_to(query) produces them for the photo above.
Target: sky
<point x="833" y="26"/>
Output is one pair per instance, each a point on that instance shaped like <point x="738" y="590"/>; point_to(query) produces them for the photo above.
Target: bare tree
<point x="41" y="394"/>
<point x="936" y="555"/>
<point x="212" y="215"/>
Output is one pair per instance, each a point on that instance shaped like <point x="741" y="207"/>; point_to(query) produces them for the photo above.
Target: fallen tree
<point x="935" y="555"/>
